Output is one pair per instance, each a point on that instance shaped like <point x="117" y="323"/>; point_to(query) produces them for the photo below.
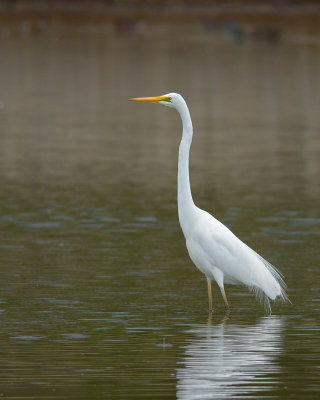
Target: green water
<point x="98" y="298"/>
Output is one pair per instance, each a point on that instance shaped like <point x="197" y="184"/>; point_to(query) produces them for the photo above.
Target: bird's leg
<point x="225" y="299"/>
<point x="209" y="295"/>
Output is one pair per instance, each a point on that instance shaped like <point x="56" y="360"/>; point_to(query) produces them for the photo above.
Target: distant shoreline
<point x="95" y="9"/>
<point x="294" y="16"/>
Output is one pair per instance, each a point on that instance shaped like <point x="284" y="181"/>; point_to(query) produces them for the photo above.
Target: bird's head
<point x="173" y="100"/>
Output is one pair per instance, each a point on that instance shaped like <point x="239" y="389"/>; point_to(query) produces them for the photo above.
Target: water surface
<point x="98" y="298"/>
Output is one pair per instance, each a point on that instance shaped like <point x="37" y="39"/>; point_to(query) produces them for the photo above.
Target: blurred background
<point x="98" y="298"/>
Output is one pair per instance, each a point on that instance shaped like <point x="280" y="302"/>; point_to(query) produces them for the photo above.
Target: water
<point x="98" y="298"/>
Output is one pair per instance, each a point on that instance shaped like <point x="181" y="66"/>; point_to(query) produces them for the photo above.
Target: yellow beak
<point x="156" y="99"/>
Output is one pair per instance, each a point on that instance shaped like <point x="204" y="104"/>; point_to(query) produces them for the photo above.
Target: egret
<point x="213" y="248"/>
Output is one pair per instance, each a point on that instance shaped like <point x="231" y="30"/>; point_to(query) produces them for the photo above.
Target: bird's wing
<point x="235" y="259"/>
<point x="221" y="247"/>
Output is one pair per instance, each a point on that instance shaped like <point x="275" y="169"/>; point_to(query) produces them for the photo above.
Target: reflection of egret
<point x="213" y="248"/>
<point x="226" y="361"/>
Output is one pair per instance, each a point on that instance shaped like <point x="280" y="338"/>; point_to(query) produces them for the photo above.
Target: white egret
<point x="212" y="247"/>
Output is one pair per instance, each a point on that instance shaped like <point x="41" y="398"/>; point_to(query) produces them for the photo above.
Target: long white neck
<point x="186" y="207"/>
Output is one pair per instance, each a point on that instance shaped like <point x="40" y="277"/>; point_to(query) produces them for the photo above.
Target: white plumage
<point x="212" y="247"/>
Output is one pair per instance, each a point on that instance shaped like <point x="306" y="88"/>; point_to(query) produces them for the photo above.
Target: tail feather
<point x="262" y="298"/>
<point x="279" y="286"/>
<point x="277" y="276"/>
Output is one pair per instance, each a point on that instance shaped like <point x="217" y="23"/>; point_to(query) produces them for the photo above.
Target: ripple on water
<point x="26" y="338"/>
<point x="74" y="335"/>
